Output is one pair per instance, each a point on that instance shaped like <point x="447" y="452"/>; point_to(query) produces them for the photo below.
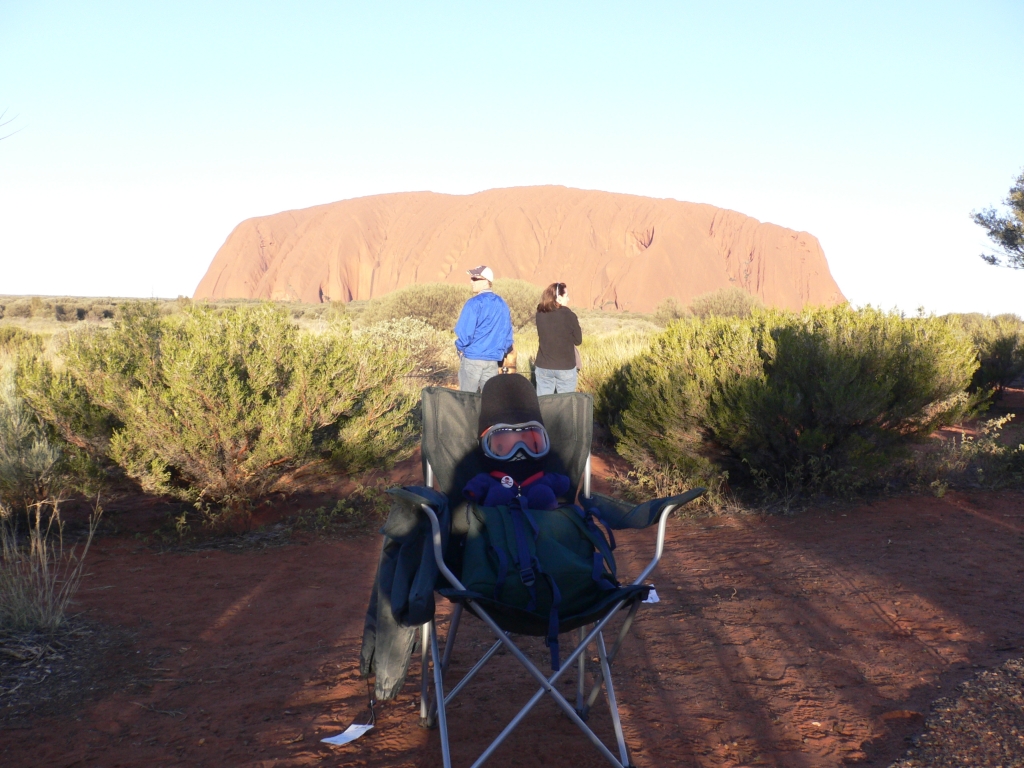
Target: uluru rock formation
<point x="614" y="251"/>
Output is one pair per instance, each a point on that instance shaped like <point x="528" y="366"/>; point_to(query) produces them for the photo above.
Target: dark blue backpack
<point x="539" y="568"/>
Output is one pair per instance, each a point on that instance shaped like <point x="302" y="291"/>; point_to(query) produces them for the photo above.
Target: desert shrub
<point x="439" y="304"/>
<point x="433" y="355"/>
<point x="658" y="405"/>
<point x="69" y="313"/>
<point x="28" y="460"/>
<point x="790" y="402"/>
<point x="101" y="310"/>
<point x="213" y="406"/>
<point x="38" y="576"/>
<point x="982" y="461"/>
<point x="725" y="302"/>
<point x="669" y="311"/>
<point x="14" y="339"/>
<point x="522" y="299"/>
<point x="19" y="308"/>
<point x="60" y="401"/>
<point x="436" y="304"/>
<point x="364" y="506"/>
<point x="999" y="343"/>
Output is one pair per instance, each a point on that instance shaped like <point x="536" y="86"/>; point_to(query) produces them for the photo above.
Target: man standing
<point x="483" y="333"/>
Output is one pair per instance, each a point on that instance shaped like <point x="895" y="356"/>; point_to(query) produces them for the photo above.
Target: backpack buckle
<point x="528" y="577"/>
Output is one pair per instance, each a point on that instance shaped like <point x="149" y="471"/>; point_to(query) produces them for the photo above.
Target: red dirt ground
<point x="813" y="640"/>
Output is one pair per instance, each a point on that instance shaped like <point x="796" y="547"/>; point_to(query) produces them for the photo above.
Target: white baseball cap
<point x="481" y="272"/>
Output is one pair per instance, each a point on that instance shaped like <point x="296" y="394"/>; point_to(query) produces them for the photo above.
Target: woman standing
<point x="559" y="332"/>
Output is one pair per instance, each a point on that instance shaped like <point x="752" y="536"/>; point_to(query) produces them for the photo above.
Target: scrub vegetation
<point x="787" y="403"/>
<point x="216" y="404"/>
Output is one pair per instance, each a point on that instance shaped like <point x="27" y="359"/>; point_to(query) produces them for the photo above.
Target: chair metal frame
<point x="432" y="657"/>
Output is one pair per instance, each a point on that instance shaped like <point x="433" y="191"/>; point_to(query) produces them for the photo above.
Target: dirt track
<point x="814" y="640"/>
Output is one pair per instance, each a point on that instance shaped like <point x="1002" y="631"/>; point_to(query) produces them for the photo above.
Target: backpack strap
<point x="553" y="623"/>
<point x="524" y="559"/>
<point x="602" y="549"/>
<point x="530" y="568"/>
<point x="592" y="520"/>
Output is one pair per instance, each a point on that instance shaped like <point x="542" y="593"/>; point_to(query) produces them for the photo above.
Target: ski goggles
<point x="501" y="441"/>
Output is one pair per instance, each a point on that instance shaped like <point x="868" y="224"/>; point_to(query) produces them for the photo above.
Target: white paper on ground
<point x="350" y="734"/>
<point x="652" y="596"/>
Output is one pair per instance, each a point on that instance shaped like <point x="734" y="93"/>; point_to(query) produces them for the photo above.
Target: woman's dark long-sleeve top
<point x="558" y="332"/>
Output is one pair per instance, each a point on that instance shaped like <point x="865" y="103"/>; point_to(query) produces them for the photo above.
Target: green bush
<point x="28" y="460"/>
<point x="522" y="299"/>
<point x="999" y="343"/>
<point x="59" y="400"/>
<point x="19" y="308"/>
<point x="436" y="304"/>
<point x="101" y="311"/>
<point x="982" y="461"/>
<point x="812" y="401"/>
<point x="214" y="406"/>
<point x="669" y="311"/>
<point x="439" y="304"/>
<point x="433" y="355"/>
<point x="363" y="507"/>
<point x="13" y="339"/>
<point x="71" y="312"/>
<point x="725" y="302"/>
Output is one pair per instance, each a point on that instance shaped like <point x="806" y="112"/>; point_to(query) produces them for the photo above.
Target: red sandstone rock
<point x="614" y="251"/>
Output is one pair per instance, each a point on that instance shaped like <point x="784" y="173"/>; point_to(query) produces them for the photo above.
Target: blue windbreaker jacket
<point x="484" y="329"/>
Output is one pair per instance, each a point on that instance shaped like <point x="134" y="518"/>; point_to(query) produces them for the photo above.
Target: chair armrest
<point x="659" y="546"/>
<point x="618" y="515"/>
<point x="436" y="541"/>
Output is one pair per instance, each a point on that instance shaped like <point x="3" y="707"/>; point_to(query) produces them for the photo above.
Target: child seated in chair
<point x="515" y="446"/>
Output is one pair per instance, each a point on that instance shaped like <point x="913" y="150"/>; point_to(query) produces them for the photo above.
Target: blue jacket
<point x="402" y="597"/>
<point x="484" y="329"/>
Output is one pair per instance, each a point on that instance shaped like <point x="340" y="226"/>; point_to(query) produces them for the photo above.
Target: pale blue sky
<point x="147" y="131"/>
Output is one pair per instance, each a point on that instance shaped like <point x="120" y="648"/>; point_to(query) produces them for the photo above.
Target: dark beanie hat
<point x="508" y="399"/>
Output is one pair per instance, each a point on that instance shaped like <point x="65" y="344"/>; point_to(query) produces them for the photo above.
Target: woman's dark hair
<point x="548" y="299"/>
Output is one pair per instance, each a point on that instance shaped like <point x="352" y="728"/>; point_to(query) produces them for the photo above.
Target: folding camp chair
<point x="451" y="458"/>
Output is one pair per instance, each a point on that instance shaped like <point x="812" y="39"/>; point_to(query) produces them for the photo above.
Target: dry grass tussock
<point x="39" y="575"/>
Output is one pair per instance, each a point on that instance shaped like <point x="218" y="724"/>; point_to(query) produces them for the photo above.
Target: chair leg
<point x="623" y="631"/>
<point x="449" y="646"/>
<point x="425" y="719"/>
<point x="449" y="641"/>
<point x="547" y="686"/>
<point x="472" y="673"/>
<point x="613" y="705"/>
<point x="581" y="672"/>
<point x="442" y="719"/>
